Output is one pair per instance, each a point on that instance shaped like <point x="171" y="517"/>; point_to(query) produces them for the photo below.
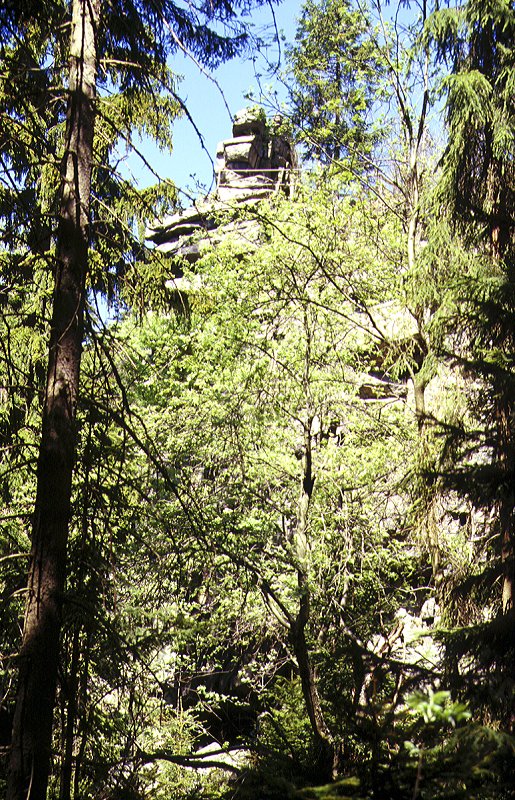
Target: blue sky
<point x="189" y="166"/>
<point x="212" y="98"/>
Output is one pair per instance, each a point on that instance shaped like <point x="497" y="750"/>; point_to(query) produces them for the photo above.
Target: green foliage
<point x="336" y="72"/>
<point x="189" y="569"/>
<point x="478" y="172"/>
<point x="437" y="707"/>
<point x="24" y="296"/>
<point x="472" y="762"/>
<point x="274" y="349"/>
<point x="285" y="740"/>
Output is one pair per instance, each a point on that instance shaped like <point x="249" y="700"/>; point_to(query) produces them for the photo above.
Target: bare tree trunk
<point x="327" y="759"/>
<point x="38" y="660"/>
<point x="504" y="411"/>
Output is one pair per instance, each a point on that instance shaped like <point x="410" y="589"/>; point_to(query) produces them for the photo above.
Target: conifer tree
<point x="336" y="71"/>
<point x="96" y="46"/>
<point x="477" y="188"/>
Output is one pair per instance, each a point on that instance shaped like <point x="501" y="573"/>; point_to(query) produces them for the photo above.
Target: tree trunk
<point x="505" y="414"/>
<point x="65" y="791"/>
<point x="38" y="659"/>
<point x="504" y="405"/>
<point x="327" y="760"/>
<point x="327" y="755"/>
<point x="505" y="418"/>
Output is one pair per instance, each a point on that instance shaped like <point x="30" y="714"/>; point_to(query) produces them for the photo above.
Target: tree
<point x="275" y="456"/>
<point x="285" y="447"/>
<point x="477" y="188"/>
<point x="336" y="72"/>
<point x="130" y="44"/>
<point x="397" y="164"/>
<point x="234" y="555"/>
<point x="32" y="728"/>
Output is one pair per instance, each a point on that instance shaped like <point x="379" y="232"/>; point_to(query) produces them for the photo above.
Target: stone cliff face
<point x="254" y="164"/>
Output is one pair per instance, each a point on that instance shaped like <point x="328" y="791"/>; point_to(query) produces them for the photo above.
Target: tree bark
<point x="65" y="791"/>
<point x="504" y="405"/>
<point x="38" y="659"/>
<point x="327" y="759"/>
<point x="506" y="504"/>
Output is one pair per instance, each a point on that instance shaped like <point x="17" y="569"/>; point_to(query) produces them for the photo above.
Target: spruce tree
<point x="95" y="47"/>
<point x="477" y="189"/>
<point x="336" y="70"/>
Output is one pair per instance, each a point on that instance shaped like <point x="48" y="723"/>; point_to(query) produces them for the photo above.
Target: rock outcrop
<point x="256" y="163"/>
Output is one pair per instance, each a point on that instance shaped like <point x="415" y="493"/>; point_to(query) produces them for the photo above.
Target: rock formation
<point x="254" y="164"/>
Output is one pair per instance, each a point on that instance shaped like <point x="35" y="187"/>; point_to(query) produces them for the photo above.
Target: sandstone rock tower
<point x="257" y="162"/>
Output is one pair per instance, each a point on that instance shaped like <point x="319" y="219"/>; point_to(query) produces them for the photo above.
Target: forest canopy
<point x="257" y="455"/>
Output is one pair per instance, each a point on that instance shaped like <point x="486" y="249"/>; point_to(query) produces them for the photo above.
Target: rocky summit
<point x="257" y="162"/>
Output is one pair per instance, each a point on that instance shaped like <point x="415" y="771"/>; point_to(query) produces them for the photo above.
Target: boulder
<point x="248" y="121"/>
<point x="245" y="150"/>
